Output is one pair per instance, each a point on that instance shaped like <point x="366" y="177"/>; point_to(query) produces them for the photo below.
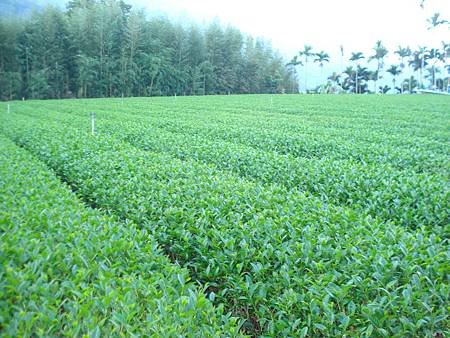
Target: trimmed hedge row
<point x="287" y="263"/>
<point x="67" y="270"/>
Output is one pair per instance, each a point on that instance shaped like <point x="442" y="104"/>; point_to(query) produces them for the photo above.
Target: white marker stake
<point x="122" y="99"/>
<point x="8" y="108"/>
<point x="271" y="104"/>
<point x="93" y="123"/>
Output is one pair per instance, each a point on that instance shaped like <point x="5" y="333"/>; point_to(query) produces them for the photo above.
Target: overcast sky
<point x="324" y="24"/>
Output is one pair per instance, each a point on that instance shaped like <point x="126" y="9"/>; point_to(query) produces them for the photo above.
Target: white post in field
<point x="92" y="123"/>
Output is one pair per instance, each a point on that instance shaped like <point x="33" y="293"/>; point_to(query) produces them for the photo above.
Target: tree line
<point x="426" y="68"/>
<point x="104" y="48"/>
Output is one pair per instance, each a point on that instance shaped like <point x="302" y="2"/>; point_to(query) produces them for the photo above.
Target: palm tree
<point x="434" y="55"/>
<point x="363" y="78"/>
<point x="435" y="21"/>
<point x="322" y="57"/>
<point x="418" y="63"/>
<point x="356" y="57"/>
<point x="373" y="76"/>
<point x="415" y="62"/>
<point x="384" y="89"/>
<point x="349" y="71"/>
<point x="411" y="65"/>
<point x="433" y="74"/>
<point x="403" y="53"/>
<point x="341" y="48"/>
<point x="445" y="49"/>
<point x="293" y="64"/>
<point x="335" y="77"/>
<point x="380" y="53"/>
<point x="410" y="83"/>
<point x="444" y="55"/>
<point x="394" y="71"/>
<point x="306" y="53"/>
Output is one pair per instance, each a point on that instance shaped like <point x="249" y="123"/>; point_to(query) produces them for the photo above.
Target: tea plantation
<point x="259" y="215"/>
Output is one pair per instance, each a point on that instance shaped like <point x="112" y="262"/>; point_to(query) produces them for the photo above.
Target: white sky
<point x="324" y="24"/>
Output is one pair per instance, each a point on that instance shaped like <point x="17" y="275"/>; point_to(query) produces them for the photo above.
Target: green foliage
<point x="69" y="270"/>
<point x="106" y="49"/>
<point x="304" y="216"/>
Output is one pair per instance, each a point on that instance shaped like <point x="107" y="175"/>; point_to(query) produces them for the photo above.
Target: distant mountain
<point x="24" y="7"/>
